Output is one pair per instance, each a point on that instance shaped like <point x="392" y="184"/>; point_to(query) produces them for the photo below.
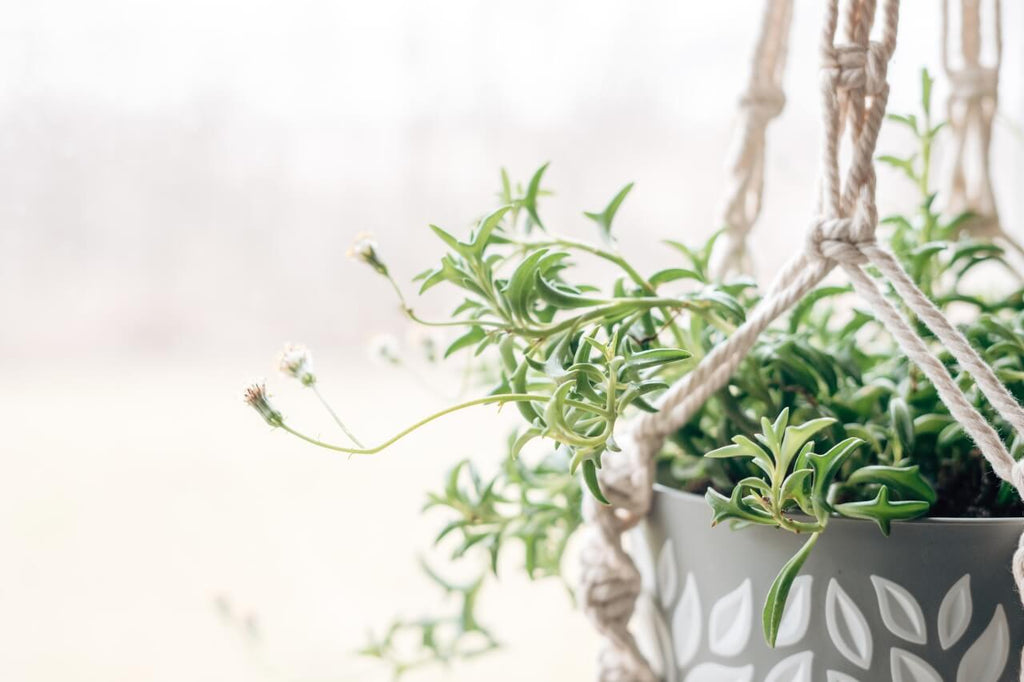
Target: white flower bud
<point x="365" y="249"/>
<point x="296" y="361"/>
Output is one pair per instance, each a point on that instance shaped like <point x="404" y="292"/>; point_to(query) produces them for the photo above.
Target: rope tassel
<point x="854" y="95"/>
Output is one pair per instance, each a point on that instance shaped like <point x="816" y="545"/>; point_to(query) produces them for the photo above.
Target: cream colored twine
<point x="854" y="92"/>
<point x="971" y="108"/>
<point x="762" y="101"/>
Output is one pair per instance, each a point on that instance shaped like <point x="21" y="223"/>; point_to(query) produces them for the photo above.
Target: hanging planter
<point x="933" y="602"/>
<point x="939" y="605"/>
<point x="693" y="379"/>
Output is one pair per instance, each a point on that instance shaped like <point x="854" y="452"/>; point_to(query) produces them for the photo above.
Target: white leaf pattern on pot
<point x="652" y="635"/>
<point x="643" y="557"/>
<point x="714" y="672"/>
<point x="955" y="612"/>
<point x="686" y="623"/>
<point x="795" y="668"/>
<point x="986" y="659"/>
<point x="668" y="579"/>
<point x="900" y="611"/>
<point x="729" y="625"/>
<point x="847" y="626"/>
<point x="906" y="667"/>
<point x="836" y="676"/>
<point x="797" y="615"/>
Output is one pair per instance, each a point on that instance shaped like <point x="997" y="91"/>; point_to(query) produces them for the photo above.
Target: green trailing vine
<point x="824" y="418"/>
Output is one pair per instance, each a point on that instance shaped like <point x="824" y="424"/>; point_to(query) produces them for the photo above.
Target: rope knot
<point x="765" y="101"/>
<point x="974" y="82"/>
<point x="858" y="67"/>
<point x="840" y="239"/>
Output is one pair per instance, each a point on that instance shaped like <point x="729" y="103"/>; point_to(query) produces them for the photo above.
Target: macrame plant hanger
<point x="854" y="91"/>
<point x="762" y="101"/>
<point x="971" y="108"/>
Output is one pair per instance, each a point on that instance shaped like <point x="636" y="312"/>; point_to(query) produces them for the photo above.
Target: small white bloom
<point x="296" y="361"/>
<point x="365" y="249"/>
<point x="255" y="396"/>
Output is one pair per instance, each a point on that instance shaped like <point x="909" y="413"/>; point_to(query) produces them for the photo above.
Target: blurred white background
<point x="179" y="182"/>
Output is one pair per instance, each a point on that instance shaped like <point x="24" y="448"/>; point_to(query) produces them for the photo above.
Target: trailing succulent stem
<point x="573" y="357"/>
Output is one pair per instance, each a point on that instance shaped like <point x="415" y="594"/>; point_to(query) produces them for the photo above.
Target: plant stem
<point x="504" y="398"/>
<point x="594" y="251"/>
<point x="334" y="415"/>
<point x="614" y="258"/>
<point x="615" y="309"/>
<point x="411" y="314"/>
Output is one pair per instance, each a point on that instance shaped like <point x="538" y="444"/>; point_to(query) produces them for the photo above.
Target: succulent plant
<point x="577" y="356"/>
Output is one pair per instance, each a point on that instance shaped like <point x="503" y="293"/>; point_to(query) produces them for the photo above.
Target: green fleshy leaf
<point x="744" y="447"/>
<point x="796" y="488"/>
<point x="795" y="437"/>
<point x="906" y="480"/>
<point x="532" y="192"/>
<point x="560" y="297"/>
<point x="930" y="424"/>
<point x="674" y="274"/>
<point x="882" y="510"/>
<point x="926" y="91"/>
<point x="590" y="476"/>
<point x="827" y="466"/>
<point x="778" y="594"/>
<point x="486" y="227"/>
<point x="605" y="217"/>
<point x="902" y="425"/>
<point x="656" y="357"/>
<point x="474" y="335"/>
<point x="734" y="508"/>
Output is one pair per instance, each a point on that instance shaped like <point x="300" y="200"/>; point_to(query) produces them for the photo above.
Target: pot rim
<point x="929" y="521"/>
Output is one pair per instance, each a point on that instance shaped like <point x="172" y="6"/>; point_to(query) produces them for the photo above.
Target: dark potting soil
<point x="973" y="493"/>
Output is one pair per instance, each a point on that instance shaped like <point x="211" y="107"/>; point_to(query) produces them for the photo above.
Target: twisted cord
<point x="762" y="101"/>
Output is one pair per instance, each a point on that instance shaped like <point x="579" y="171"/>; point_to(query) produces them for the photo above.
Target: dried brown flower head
<point x="255" y="396"/>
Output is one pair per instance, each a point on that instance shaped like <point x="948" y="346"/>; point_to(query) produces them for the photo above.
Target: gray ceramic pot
<point x="934" y="602"/>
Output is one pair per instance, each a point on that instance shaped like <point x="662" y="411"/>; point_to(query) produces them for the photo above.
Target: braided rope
<point x="854" y="93"/>
<point x="762" y="101"/>
<point x="971" y="108"/>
